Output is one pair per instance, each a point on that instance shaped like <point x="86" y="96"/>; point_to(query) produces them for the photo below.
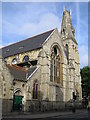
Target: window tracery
<point x="55" y="65"/>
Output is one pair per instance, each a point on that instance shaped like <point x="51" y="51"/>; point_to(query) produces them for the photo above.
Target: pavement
<point x="45" y="115"/>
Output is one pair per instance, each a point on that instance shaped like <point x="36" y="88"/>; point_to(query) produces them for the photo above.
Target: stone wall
<point x="53" y="40"/>
<point x="0" y="108"/>
<point x="32" y="56"/>
<point x="73" y="68"/>
<point x="7" y="105"/>
<point x="6" y="80"/>
<point x="35" y="105"/>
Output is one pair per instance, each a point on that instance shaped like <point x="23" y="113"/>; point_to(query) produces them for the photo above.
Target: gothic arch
<point x="17" y="99"/>
<point x="56" y="65"/>
<point x="35" y="93"/>
<point x="59" y="48"/>
<point x="26" y="58"/>
<point x="18" y="91"/>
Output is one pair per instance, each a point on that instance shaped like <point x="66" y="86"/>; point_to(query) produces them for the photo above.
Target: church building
<point x="41" y="72"/>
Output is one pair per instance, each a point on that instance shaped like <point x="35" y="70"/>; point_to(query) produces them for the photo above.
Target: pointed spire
<point x="67" y="30"/>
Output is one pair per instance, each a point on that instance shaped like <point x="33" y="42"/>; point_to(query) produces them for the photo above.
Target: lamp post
<point x="74" y="98"/>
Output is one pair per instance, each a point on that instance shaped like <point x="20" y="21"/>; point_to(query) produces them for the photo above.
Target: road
<point x="74" y="116"/>
<point x="78" y="115"/>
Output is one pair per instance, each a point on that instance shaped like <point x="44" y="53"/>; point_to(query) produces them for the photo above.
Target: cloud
<point x="84" y="60"/>
<point x="22" y="20"/>
<point x="9" y="28"/>
<point x="83" y="50"/>
<point x="47" y="22"/>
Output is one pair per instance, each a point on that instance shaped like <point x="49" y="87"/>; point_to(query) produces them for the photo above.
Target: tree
<point x="85" y="75"/>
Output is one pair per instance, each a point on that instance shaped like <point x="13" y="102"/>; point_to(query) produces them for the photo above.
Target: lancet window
<point x="35" y="90"/>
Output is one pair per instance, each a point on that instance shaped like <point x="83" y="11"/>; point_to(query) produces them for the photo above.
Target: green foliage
<point x="85" y="76"/>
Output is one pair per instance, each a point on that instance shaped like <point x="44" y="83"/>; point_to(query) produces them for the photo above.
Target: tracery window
<point x="55" y="65"/>
<point x="35" y="90"/>
<point x="14" y="61"/>
<point x="26" y="58"/>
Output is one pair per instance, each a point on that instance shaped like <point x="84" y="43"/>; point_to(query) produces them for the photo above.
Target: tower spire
<point x="67" y="30"/>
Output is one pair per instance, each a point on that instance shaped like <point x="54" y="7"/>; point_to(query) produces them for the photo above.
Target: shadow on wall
<point x="36" y="103"/>
<point x="59" y="94"/>
<point x="46" y="105"/>
<point x="69" y="104"/>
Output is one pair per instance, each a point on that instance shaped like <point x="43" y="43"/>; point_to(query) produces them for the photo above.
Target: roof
<point x="20" y="73"/>
<point x="31" y="70"/>
<point x="26" y="45"/>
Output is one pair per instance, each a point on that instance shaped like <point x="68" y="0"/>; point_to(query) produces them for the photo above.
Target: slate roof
<point x="31" y="70"/>
<point x="29" y="44"/>
<point x="20" y="73"/>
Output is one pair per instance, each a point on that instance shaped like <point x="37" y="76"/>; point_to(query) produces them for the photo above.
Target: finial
<point x="64" y="8"/>
<point x="70" y="12"/>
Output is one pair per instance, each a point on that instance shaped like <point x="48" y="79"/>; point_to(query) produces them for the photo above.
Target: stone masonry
<point x="51" y="94"/>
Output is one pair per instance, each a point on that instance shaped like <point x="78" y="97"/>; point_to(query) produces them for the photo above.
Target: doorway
<point x="17" y="101"/>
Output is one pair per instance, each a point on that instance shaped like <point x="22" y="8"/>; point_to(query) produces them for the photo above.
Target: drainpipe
<point x="13" y="94"/>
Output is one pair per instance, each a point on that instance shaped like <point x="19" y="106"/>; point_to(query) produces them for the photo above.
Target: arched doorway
<point x="17" y="100"/>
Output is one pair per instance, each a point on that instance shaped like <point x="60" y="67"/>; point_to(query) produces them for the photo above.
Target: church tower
<point x="72" y="55"/>
<point x="67" y="30"/>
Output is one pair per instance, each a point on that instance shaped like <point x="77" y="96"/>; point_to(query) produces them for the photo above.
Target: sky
<point x="21" y="20"/>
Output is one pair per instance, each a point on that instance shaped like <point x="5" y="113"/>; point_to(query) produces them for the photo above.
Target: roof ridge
<point x="28" y="38"/>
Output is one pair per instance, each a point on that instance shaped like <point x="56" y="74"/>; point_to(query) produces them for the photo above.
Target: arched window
<point x="35" y="90"/>
<point x="67" y="54"/>
<point x="26" y="58"/>
<point x="64" y="31"/>
<point x="75" y="49"/>
<point x="55" y="65"/>
<point x="14" y="61"/>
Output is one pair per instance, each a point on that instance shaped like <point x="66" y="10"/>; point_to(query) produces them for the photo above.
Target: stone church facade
<point x="41" y="72"/>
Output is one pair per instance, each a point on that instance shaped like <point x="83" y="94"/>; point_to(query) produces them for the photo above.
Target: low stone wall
<point x="51" y="106"/>
<point x="0" y="109"/>
<point x="7" y="105"/>
<point x="31" y="106"/>
<point x="35" y="106"/>
<point x="78" y="105"/>
<point x="44" y="105"/>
